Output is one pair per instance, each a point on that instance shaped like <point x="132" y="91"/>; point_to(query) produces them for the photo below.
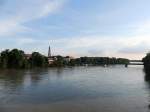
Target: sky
<point x="114" y="28"/>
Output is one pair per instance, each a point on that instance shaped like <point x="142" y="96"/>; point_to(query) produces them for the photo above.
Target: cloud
<point x="104" y="46"/>
<point x="15" y="14"/>
<point x="11" y="27"/>
<point x="143" y="27"/>
<point x="133" y="47"/>
<point x="25" y="41"/>
<point x="137" y="49"/>
<point x="92" y="45"/>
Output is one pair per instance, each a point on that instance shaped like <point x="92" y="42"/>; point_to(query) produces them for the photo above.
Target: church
<point x="51" y="58"/>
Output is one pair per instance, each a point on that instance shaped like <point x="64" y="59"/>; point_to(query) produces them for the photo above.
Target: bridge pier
<point x="126" y="65"/>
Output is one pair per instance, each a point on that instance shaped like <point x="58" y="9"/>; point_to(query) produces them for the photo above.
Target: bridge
<point x="134" y="62"/>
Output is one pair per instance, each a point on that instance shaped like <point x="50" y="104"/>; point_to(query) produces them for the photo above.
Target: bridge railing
<point x="135" y="62"/>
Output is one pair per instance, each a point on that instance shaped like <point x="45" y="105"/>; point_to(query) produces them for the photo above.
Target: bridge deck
<point x="135" y="62"/>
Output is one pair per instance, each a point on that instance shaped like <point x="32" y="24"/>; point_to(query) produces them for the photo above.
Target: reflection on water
<point x="147" y="80"/>
<point x="79" y="89"/>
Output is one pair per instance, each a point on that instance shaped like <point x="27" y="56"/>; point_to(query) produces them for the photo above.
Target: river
<point x="77" y="89"/>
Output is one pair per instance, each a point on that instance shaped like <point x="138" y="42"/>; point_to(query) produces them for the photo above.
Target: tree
<point x="4" y="58"/>
<point x="13" y="59"/>
<point x="38" y="60"/>
<point x="16" y="59"/>
<point x="59" y="62"/>
<point x="146" y="61"/>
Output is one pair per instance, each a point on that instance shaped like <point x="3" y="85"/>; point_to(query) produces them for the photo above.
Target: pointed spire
<point x="49" y="52"/>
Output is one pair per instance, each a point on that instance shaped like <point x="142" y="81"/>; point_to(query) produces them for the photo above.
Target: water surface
<point x="78" y="89"/>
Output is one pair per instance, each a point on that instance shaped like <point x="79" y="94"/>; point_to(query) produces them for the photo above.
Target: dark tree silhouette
<point x="146" y="61"/>
<point x="17" y="59"/>
<point x="38" y="60"/>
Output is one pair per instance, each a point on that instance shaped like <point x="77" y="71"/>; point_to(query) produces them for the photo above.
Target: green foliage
<point x="38" y="60"/>
<point x="17" y="59"/>
<point x="146" y="61"/>
<point x="59" y="62"/>
<point x="122" y="61"/>
<point x="98" y="61"/>
<point x="4" y="58"/>
<point x="73" y="62"/>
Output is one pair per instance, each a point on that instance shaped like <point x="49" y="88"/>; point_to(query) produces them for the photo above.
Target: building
<point x="68" y="58"/>
<point x="28" y="56"/>
<point x="49" y="52"/>
<point x="51" y="58"/>
<point x="50" y="61"/>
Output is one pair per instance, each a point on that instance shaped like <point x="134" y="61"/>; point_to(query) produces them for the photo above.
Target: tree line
<point x="93" y="61"/>
<point x="96" y="61"/>
<point x="17" y="59"/>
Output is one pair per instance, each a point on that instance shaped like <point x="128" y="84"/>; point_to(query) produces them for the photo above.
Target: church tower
<point x="49" y="52"/>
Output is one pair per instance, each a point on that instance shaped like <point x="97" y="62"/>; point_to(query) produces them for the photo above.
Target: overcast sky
<point x="115" y="28"/>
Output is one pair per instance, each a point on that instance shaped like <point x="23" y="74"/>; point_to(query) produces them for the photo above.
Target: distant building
<point x="51" y="59"/>
<point x="28" y="56"/>
<point x="68" y="58"/>
<point x="49" y="52"/>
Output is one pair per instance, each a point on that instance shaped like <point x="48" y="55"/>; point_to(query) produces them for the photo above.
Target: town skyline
<point x="51" y="55"/>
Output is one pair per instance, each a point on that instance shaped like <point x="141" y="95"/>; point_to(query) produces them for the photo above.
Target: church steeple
<point x="49" y="52"/>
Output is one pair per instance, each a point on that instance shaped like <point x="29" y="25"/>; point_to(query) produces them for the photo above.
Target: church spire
<point x="49" y="52"/>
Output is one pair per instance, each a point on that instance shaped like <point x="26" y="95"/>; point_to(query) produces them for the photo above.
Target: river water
<point x="77" y="89"/>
